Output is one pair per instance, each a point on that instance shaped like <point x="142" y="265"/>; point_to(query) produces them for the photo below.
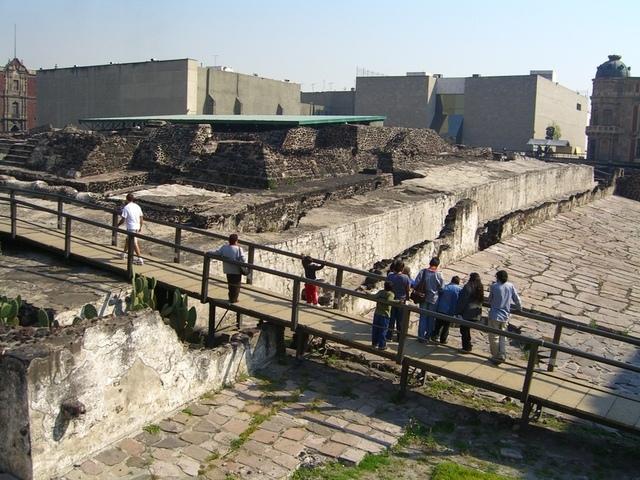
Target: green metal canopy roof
<point x="248" y="120"/>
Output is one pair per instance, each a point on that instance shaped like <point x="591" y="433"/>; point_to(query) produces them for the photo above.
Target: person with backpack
<point x="401" y="285"/>
<point x="429" y="283"/>
<point x="234" y="272"/>
<point x="381" y="317"/>
<point x="469" y="307"/>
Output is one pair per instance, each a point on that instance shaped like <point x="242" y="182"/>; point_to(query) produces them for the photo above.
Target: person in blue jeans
<point x="401" y="285"/>
<point x="381" y="317"/>
<point x="430" y="282"/>
<point x="447" y="304"/>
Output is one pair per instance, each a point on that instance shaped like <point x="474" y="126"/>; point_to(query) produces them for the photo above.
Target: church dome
<point x="614" y="68"/>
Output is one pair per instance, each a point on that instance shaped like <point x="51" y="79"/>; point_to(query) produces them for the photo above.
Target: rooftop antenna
<point x="14" y="41"/>
<point x="215" y="60"/>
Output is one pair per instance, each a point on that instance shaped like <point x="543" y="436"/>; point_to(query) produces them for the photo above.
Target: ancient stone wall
<point x="629" y="186"/>
<point x="73" y="154"/>
<point x="124" y="372"/>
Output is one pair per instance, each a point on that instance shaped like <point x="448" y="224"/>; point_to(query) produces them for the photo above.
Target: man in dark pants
<point x="232" y="251"/>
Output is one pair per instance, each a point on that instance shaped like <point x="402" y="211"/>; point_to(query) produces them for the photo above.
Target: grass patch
<point x="152" y="428"/>
<point x="417" y="433"/>
<point x="337" y="471"/>
<point x="453" y="471"/>
<point x="255" y="422"/>
<point x="187" y="411"/>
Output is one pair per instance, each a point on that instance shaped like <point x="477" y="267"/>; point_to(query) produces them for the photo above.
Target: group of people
<point x="452" y="299"/>
<point x="428" y="289"/>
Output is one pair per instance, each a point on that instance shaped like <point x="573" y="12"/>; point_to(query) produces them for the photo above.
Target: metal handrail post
<point x="206" y="269"/>
<point x="251" y="260"/>
<point x="554" y="353"/>
<point x="67" y="237"/>
<point x="531" y="365"/>
<point x="130" y="254"/>
<point x="294" y="305"/>
<point x="114" y="232"/>
<point x="404" y="330"/>
<point x="177" y="241"/>
<point x="13" y="208"/>
<point x="60" y="213"/>
<point x="338" y="296"/>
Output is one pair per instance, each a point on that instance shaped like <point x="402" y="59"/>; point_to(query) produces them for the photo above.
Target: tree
<point x="553" y="132"/>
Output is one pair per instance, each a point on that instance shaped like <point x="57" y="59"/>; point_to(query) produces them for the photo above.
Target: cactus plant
<point x="142" y="293"/>
<point x="181" y="317"/>
<point x="9" y="309"/>
<point x="43" y="319"/>
<point x="88" y="311"/>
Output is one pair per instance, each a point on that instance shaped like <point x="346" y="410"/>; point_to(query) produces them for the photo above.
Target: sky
<point x="320" y="44"/>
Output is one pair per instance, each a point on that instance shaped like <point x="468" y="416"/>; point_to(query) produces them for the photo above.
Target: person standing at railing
<point x="234" y="273"/>
<point x="502" y="296"/>
<point x="310" y="269"/>
<point x="132" y="215"/>
<point x="429" y="283"/>
<point x="381" y="317"/>
<point x="447" y="304"/>
<point x="401" y="285"/>
<point x="470" y="307"/>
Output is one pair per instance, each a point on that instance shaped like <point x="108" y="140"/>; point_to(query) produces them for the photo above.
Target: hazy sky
<point x="322" y="42"/>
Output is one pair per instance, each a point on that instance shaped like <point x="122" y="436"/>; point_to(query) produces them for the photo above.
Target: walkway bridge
<point x="534" y="385"/>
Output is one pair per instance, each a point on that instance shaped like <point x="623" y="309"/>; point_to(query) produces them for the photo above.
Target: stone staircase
<point x="16" y="152"/>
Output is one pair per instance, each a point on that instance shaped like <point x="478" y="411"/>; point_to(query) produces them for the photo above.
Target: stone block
<point x="288" y="446"/>
<point x="197" y="410"/>
<point x="296" y="434"/>
<point x="92" y="468"/>
<point x="111" y="456"/>
<point x="189" y="466"/>
<point x="285" y="460"/>
<point x="170" y="442"/>
<point x="171" y="427"/>
<point x="332" y="449"/>
<point x="196" y="452"/>
<point x="205" y="426"/>
<point x="235" y="426"/>
<point x="161" y="469"/>
<point x="264" y="436"/>
<point x="352" y="456"/>
<point x="132" y="447"/>
<point x="195" y="438"/>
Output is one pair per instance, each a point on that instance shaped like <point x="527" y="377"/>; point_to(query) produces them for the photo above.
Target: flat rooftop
<point x="275" y="121"/>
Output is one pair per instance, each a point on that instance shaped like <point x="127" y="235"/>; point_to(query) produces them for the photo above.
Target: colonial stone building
<point x="17" y="97"/>
<point x="614" y="129"/>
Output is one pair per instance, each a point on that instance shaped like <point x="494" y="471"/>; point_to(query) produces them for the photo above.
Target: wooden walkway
<point x="534" y="386"/>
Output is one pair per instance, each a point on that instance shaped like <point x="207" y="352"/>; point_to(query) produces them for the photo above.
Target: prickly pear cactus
<point x="9" y="309"/>
<point x="181" y="317"/>
<point x="142" y="293"/>
<point x="43" y="319"/>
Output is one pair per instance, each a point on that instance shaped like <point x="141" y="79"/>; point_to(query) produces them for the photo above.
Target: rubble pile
<point x="629" y="186"/>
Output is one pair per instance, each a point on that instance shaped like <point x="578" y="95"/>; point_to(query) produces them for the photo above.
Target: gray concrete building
<point x="328" y="102"/>
<point x="500" y="112"/>
<point x="166" y="87"/>
<point x="614" y="128"/>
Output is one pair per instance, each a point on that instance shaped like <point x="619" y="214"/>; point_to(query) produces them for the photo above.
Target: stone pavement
<point x="582" y="265"/>
<point x="262" y="428"/>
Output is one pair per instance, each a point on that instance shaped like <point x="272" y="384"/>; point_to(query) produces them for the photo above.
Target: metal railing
<point x="66" y="221"/>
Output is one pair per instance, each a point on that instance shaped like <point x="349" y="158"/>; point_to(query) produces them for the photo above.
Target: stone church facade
<point x="17" y="98"/>
<point x="614" y="129"/>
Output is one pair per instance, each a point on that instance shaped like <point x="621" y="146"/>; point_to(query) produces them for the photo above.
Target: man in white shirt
<point x="132" y="215"/>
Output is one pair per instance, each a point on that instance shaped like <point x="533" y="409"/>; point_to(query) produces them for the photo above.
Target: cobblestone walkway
<point x="262" y="429"/>
<point x="583" y="265"/>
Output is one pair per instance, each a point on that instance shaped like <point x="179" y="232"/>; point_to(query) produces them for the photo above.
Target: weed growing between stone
<point x="453" y="471"/>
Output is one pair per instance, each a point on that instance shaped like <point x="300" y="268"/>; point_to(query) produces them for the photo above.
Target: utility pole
<point x="215" y="60"/>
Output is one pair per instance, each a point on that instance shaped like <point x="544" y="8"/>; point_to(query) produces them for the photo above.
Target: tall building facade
<point x="17" y="98"/>
<point x="158" y="87"/>
<point x="502" y="112"/>
<point x="614" y="128"/>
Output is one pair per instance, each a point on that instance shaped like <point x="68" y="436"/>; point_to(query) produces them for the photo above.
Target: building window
<point x="16" y="85"/>
<point x="634" y="119"/>
<point x="579" y="107"/>
<point x="607" y="117"/>
<point x="237" y="107"/>
<point x="637" y="147"/>
<point x="279" y="110"/>
<point x="594" y="116"/>
<point x="15" y="109"/>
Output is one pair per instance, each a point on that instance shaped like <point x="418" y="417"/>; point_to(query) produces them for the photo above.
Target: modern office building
<point x="167" y="87"/>
<point x="17" y="97"/>
<point x="502" y="112"/>
<point x="614" y="129"/>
